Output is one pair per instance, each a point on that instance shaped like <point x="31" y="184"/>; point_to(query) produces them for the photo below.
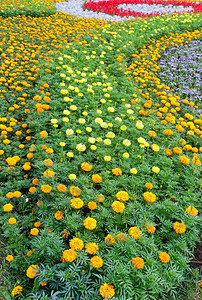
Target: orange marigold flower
<point x="96" y="262"/>
<point x="122" y="237"/>
<point x="11" y="161"/>
<point x="100" y="198"/>
<point x="96" y="178"/>
<point x="77" y="203"/>
<point x="32" y="271"/>
<point x="169" y="152"/>
<point x="177" y="150"/>
<point x="164" y="257"/>
<point x="35" y="181"/>
<point x="110" y="240"/>
<point x="191" y="210"/>
<point x="32" y="189"/>
<point x="168" y="131"/>
<point x="69" y="255"/>
<point x="26" y="166"/>
<point x="58" y="215"/>
<point x="62" y="188"/>
<point x="17" y="290"/>
<point x="138" y="262"/>
<point x="86" y="167"/>
<point x="75" y="191"/>
<point x="107" y="291"/>
<point x="118" y="206"/>
<point x="46" y="188"/>
<point x="90" y="223"/>
<point x="49" y="150"/>
<point x="7" y="207"/>
<point x="48" y="162"/>
<point x="9" y="258"/>
<point x="43" y="283"/>
<point x="152" y="133"/>
<point x="65" y="234"/>
<point x="116" y="172"/>
<point x="76" y="244"/>
<point x="12" y="221"/>
<point x="29" y="155"/>
<point x="122" y="196"/>
<point x="91" y="248"/>
<point x="92" y="205"/>
<point x="34" y="231"/>
<point x="179" y="227"/>
<point x="49" y="173"/>
<point x="148" y="185"/>
<point x="134" y="232"/>
<point x="150" y="228"/>
<point x="149" y="197"/>
<point x="185" y="160"/>
<point x="37" y="224"/>
<point x="43" y="133"/>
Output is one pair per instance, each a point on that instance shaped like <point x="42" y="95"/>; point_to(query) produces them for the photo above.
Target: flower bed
<point x="136" y="7"/>
<point x="99" y="158"/>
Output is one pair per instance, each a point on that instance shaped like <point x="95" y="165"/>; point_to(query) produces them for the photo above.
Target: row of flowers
<point x="85" y="122"/>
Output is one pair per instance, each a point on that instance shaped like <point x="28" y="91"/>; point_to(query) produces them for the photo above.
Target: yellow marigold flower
<point x="96" y="262"/>
<point x="107" y="291"/>
<point x="75" y="191"/>
<point x="134" y="232"/>
<point x="122" y="237"/>
<point x="61" y="188"/>
<point x="118" y="206"/>
<point x="49" y="173"/>
<point x="185" y="160"/>
<point x="116" y="171"/>
<point x="110" y="240"/>
<point x="150" y="228"/>
<point x="148" y="185"/>
<point x="58" y="215"/>
<point x="179" y="227"/>
<point x="48" y="162"/>
<point x="12" y="221"/>
<point x="92" y="205"/>
<point x="76" y="203"/>
<point x="168" y="132"/>
<point x="76" y="244"/>
<point x="122" y="196"/>
<point x="91" y="248"/>
<point x="155" y="147"/>
<point x="26" y="166"/>
<point x="17" y="194"/>
<point x="191" y="210"/>
<point x="34" y="231"/>
<point x="9" y="258"/>
<point x="100" y="198"/>
<point x="44" y="134"/>
<point x="149" y="197"/>
<point x="46" y="188"/>
<point x="17" y="290"/>
<point x="155" y="169"/>
<point x="32" y="271"/>
<point x="8" y="207"/>
<point x="29" y="253"/>
<point x="11" y="161"/>
<point x="90" y="223"/>
<point x="69" y="255"/>
<point x="72" y="176"/>
<point x="96" y="178"/>
<point x="86" y="167"/>
<point x="152" y="133"/>
<point x="138" y="262"/>
<point x="164" y="257"/>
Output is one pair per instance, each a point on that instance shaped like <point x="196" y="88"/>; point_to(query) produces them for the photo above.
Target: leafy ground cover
<point x="100" y="158"/>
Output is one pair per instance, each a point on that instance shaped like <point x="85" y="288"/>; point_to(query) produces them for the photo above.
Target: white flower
<point x="126" y="143"/>
<point x="103" y="125"/>
<point x="107" y="142"/>
<point x="81" y="147"/>
<point x="81" y="121"/>
<point x="117" y="119"/>
<point x="139" y="125"/>
<point x="91" y="140"/>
